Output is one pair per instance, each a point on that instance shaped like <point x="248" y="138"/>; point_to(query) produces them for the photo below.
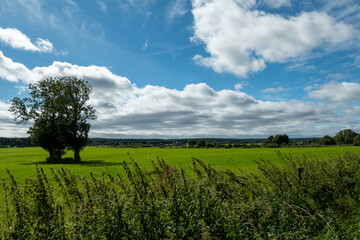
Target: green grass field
<point x="21" y="161"/>
<point x="298" y="200"/>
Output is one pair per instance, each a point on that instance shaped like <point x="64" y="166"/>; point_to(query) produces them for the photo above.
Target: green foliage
<point x="277" y="141"/>
<point x="345" y="136"/>
<point x="192" y="142"/>
<point x="60" y="112"/>
<point x="280" y="139"/>
<point x="302" y="199"/>
<point x="356" y="140"/>
<point x="201" y="143"/>
<point x="327" y="140"/>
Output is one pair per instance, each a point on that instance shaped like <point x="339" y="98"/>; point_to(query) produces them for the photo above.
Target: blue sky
<point x="190" y="68"/>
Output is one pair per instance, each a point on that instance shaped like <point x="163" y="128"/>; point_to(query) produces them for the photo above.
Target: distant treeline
<point x="15" y="142"/>
<point x="195" y="142"/>
<point x="167" y="142"/>
<point x="186" y="142"/>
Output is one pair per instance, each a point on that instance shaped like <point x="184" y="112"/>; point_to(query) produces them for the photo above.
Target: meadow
<point x="302" y="193"/>
<point x="21" y="161"/>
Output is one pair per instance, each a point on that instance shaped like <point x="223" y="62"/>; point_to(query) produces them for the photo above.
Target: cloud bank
<point x="125" y="110"/>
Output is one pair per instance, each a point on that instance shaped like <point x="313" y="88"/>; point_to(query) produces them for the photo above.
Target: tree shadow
<point x="87" y="163"/>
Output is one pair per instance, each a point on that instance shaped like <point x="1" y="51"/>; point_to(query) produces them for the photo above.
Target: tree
<point x="276" y="141"/>
<point x="356" y="141"/>
<point x="192" y="142"/>
<point x="327" y="140"/>
<point x="345" y="136"/>
<point x="201" y="143"/>
<point x="267" y="141"/>
<point x="41" y="107"/>
<point x="76" y="112"/>
<point x="47" y="135"/>
<point x="59" y="109"/>
<point x="280" y="139"/>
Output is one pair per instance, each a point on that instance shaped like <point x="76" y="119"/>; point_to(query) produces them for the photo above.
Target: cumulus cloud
<point x="7" y="126"/>
<point x="240" y="39"/>
<point x="16" y="39"/>
<point x="337" y="92"/>
<point x="197" y="110"/>
<point x="100" y="77"/>
<point x="13" y="71"/>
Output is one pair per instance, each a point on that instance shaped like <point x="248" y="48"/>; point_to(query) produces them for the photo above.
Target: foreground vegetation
<point x="298" y="199"/>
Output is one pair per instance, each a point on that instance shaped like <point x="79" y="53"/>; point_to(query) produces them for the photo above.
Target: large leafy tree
<point x="41" y="108"/>
<point x="76" y="112"/>
<point x="345" y="136"/>
<point x="58" y="107"/>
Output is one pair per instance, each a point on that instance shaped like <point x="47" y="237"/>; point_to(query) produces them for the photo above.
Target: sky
<point x="190" y="68"/>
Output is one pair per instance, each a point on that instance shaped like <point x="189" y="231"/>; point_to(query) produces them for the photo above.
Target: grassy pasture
<point x="21" y="161"/>
<point x="319" y="202"/>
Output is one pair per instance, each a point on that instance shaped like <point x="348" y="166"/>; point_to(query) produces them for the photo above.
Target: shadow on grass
<point x="88" y="163"/>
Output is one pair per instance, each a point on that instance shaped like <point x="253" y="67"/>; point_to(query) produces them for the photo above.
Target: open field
<point x="21" y="161"/>
<point x="299" y="199"/>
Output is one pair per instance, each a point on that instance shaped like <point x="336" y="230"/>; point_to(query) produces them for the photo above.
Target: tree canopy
<point x="327" y="140"/>
<point x="276" y="141"/>
<point x="59" y="110"/>
<point x="345" y="136"/>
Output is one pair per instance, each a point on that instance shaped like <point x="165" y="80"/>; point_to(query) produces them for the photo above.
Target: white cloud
<point x="337" y="76"/>
<point x="7" y="125"/>
<point x="44" y="45"/>
<point x="238" y="86"/>
<point x="274" y="90"/>
<point x="107" y="87"/>
<point x="337" y="92"/>
<point x="29" y="9"/>
<point x="125" y="110"/>
<point x="146" y="45"/>
<point x="277" y="3"/>
<point x="16" y="39"/>
<point x="178" y="9"/>
<point x="241" y="40"/>
<point x="13" y="71"/>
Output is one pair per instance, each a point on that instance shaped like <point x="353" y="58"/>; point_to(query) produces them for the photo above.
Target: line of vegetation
<point x="345" y="137"/>
<point x="302" y="199"/>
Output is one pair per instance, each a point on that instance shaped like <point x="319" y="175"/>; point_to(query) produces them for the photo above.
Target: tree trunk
<point x="51" y="153"/>
<point x="77" y="154"/>
<point x="58" y="154"/>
